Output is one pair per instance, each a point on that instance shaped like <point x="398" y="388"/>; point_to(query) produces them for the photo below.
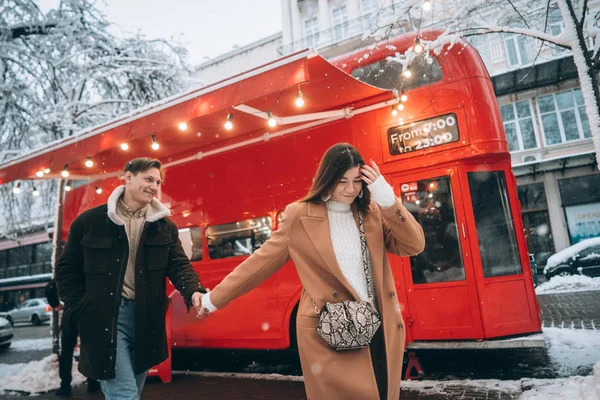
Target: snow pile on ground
<point x="31" y="344"/>
<point x="573" y="388"/>
<point x="35" y="377"/>
<point x="572" y="351"/>
<point x="564" y="284"/>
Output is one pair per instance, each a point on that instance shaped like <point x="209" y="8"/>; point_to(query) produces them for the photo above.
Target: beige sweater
<point x="134" y="223"/>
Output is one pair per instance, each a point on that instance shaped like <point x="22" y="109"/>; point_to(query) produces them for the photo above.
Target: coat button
<point x="335" y="295"/>
<point x="400" y="326"/>
<point x="392" y="294"/>
<point x="398" y="212"/>
<point x="403" y="219"/>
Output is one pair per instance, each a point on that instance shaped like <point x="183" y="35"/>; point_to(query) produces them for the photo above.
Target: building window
<point x="556" y="26"/>
<point x="238" y="238"/>
<point x="518" y="50"/>
<point x="369" y="9"/>
<point x="581" y="201"/>
<point x="518" y="125"/>
<point x="563" y="117"/>
<point x="536" y="222"/>
<point x="495" y="50"/>
<point x="340" y="22"/>
<point x="311" y="31"/>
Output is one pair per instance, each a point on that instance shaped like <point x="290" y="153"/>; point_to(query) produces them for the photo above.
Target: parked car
<point x="6" y="333"/>
<point x="35" y="311"/>
<point x="582" y="258"/>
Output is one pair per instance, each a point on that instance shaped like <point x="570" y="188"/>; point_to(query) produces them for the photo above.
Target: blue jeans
<point x="127" y="385"/>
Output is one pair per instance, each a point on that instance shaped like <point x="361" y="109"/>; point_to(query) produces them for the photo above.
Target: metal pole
<point x="57" y="251"/>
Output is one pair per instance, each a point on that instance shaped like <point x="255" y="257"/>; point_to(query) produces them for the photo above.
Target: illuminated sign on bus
<point x="423" y="134"/>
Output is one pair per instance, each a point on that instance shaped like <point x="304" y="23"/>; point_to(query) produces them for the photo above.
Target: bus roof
<point x="329" y="94"/>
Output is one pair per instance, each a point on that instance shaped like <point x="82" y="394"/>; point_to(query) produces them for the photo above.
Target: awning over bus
<point x="328" y="93"/>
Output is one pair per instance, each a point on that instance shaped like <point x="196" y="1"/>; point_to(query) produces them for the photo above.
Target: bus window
<point x="430" y="201"/>
<point x="495" y="229"/>
<point x="191" y="241"/>
<point x="387" y="74"/>
<point x="238" y="238"/>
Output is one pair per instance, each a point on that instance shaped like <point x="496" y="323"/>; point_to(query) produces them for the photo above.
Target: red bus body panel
<point x="259" y="180"/>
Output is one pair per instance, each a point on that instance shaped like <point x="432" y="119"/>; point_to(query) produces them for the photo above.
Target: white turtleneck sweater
<point x="345" y="235"/>
<point x="345" y="238"/>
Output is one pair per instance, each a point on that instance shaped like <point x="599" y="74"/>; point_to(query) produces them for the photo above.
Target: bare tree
<point x="62" y="71"/>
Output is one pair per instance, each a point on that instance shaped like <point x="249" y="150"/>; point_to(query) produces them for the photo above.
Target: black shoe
<point x="93" y="385"/>
<point x="64" y="391"/>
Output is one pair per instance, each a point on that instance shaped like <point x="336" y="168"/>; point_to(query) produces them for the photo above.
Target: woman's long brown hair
<point x="338" y="159"/>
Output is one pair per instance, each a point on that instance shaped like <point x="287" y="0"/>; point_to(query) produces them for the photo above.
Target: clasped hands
<point x="201" y="311"/>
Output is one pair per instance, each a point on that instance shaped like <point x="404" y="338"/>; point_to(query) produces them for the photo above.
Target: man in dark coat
<point x="112" y="278"/>
<point x="68" y="341"/>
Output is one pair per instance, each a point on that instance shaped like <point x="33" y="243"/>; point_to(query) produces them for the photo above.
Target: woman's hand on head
<point x="370" y="173"/>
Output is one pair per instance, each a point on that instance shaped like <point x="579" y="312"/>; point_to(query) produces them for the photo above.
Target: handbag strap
<point x="367" y="265"/>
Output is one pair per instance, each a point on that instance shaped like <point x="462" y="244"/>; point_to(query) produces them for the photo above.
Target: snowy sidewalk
<point x="213" y="387"/>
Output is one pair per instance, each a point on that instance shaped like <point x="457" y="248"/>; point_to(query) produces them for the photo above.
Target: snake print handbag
<point x="351" y="324"/>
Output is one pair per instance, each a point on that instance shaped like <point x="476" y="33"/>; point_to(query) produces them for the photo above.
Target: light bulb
<point x="403" y="97"/>
<point x="89" y="163"/>
<point x="124" y="146"/>
<point x="182" y="126"/>
<point x="418" y="46"/>
<point x="17" y="189"/>
<point x="47" y="170"/>
<point x="299" y="99"/>
<point x="407" y="73"/>
<point x="67" y="188"/>
<point x="155" y="145"/>
<point x="35" y="192"/>
<point x="65" y="171"/>
<point x="400" y="106"/>
<point x="271" y="121"/>
<point x="427" y="5"/>
<point x="40" y="173"/>
<point x="394" y="112"/>
<point x="98" y="190"/>
<point x="228" y="124"/>
<point x="400" y="121"/>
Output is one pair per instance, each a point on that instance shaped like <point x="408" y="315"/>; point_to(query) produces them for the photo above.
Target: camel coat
<point x="303" y="236"/>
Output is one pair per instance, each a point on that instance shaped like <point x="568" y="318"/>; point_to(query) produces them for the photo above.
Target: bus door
<point x="442" y="301"/>
<point x="504" y="284"/>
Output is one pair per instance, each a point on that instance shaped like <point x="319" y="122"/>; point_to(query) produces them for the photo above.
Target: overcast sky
<point x="206" y="27"/>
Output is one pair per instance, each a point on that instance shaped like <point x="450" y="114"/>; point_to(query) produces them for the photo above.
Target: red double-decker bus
<point x="437" y="136"/>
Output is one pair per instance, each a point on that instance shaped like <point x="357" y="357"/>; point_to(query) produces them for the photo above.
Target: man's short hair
<point x="142" y="164"/>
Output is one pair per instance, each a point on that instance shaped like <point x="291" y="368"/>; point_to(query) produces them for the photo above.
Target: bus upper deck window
<point x="387" y="74"/>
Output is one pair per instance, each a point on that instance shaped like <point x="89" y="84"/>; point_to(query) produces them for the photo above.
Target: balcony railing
<point x="341" y="32"/>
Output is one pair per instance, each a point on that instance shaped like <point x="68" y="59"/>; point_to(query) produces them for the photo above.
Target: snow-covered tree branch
<point x="63" y="71"/>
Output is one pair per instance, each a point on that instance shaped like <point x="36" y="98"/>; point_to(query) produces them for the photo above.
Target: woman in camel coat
<point x="320" y="234"/>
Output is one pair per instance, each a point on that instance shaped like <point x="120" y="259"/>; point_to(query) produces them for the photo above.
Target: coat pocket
<point x="157" y="253"/>
<point x="96" y="254"/>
